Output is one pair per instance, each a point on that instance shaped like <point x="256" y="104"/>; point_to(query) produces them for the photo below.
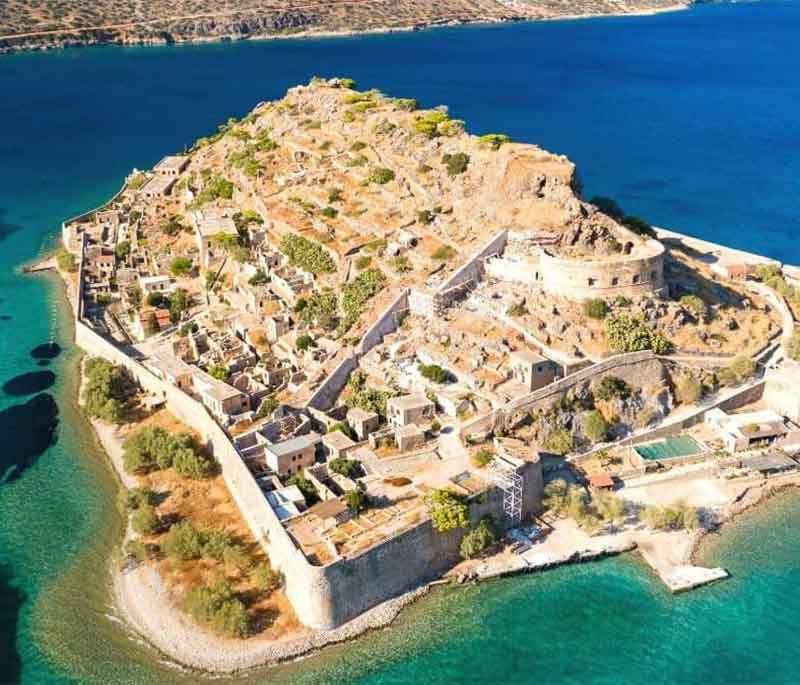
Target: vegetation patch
<point x="307" y="254"/>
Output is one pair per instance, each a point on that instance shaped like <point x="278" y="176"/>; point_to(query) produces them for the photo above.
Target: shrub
<point x="517" y="309"/>
<point x="219" y="371"/>
<point x="344" y="466"/>
<point x="792" y="346"/>
<point x="216" y="606"/>
<point x="357" y="293"/>
<point x="363" y="262"/>
<point x="145" y="520"/>
<point x="364" y="397"/>
<point x="265" y="578"/>
<point x="555" y="496"/>
<point x="456" y="163"/>
<point x="434" y="373"/>
<point x="329" y="212"/>
<point x="608" y="207"/>
<point x="216" y="187"/>
<point x="172" y="227"/>
<point x="214" y="543"/>
<point x="357" y="500"/>
<point x="425" y="216"/>
<point x="428" y="123"/>
<point x="382" y="176"/>
<point x="306" y="254"/>
<point x="305" y="486"/>
<point x="479" y="539"/>
<point x="671" y="518"/>
<point x="108" y="388"/>
<point x="335" y="195"/>
<point x="739" y="371"/>
<point x="407" y="104"/>
<point x="483" y="457"/>
<point x="612" y="387"/>
<point x="190" y="464"/>
<point x="66" y="261"/>
<point x="181" y="266"/>
<point x="304" y="342"/>
<point x="443" y="253"/>
<point x="152" y="448"/>
<point x="494" y="140"/>
<point x="595" y="309"/>
<point x="631" y="334"/>
<point x="183" y="542"/>
<point x="123" y="249"/>
<point x="695" y="305"/>
<point x="448" y="509"/>
<point x="140" y="551"/>
<point x="401" y="264"/>
<point x="559" y="441"/>
<point x="688" y="390"/>
<point x="638" y="225"/>
<point x="595" y="426"/>
<point x="136" y="498"/>
<point x="258" y="278"/>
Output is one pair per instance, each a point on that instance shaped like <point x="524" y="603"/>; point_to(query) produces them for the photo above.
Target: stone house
<point x="289" y="456"/>
<point x="363" y="422"/>
<point x="336" y="444"/>
<point x="409" y="437"/>
<point x="408" y="409"/>
<point x="532" y="369"/>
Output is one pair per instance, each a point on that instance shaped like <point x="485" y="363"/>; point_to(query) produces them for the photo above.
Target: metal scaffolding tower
<point x="509" y="481"/>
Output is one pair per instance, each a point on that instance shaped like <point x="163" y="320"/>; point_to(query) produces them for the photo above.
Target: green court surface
<point x="669" y="448"/>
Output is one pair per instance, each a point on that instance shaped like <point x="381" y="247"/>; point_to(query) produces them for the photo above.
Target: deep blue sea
<point x="690" y="119"/>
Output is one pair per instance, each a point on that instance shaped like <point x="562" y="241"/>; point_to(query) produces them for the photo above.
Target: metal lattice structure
<point x="510" y="482"/>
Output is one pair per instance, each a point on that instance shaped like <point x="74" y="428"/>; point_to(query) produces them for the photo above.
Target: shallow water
<point x="690" y="119"/>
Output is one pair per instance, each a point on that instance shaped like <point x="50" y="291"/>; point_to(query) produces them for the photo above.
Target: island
<point x="37" y="25"/>
<point x="341" y="349"/>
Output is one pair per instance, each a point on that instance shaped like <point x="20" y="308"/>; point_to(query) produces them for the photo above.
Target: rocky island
<point x="342" y="348"/>
<point x="38" y="25"/>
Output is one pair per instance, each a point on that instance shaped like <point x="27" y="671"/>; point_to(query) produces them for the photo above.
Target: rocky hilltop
<point x="36" y="24"/>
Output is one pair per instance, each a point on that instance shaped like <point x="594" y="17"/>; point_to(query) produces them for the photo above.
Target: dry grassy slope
<point x="157" y="20"/>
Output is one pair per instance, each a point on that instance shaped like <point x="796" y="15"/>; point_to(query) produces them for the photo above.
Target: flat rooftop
<point x="212" y="221"/>
<point x="171" y="163"/>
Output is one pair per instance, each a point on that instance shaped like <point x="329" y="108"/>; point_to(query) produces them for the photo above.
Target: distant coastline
<point x="129" y="34"/>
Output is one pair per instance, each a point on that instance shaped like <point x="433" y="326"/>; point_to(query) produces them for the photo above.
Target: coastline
<point x="70" y="41"/>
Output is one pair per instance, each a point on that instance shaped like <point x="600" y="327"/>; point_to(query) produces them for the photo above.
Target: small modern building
<point x="532" y="369"/>
<point x="744" y="431"/>
<point x="289" y="456"/>
<point x="363" y="422"/>
<point x="172" y="165"/>
<point x="157" y="186"/>
<point x="155" y="284"/>
<point x="210" y="222"/>
<point x="221" y="399"/>
<point x="408" y="409"/>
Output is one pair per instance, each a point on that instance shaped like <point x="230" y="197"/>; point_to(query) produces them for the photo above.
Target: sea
<point x="690" y="119"/>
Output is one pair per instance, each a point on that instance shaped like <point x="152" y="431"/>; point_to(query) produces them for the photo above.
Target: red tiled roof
<point x="601" y="480"/>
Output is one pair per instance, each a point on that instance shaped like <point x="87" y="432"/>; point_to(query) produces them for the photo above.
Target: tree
<point x="219" y="371"/>
<point x="139" y="497"/>
<point x="559" y="441"/>
<point x="595" y="309"/>
<point x="214" y="544"/>
<point x="696" y="305"/>
<point x="610" y="507"/>
<point x="172" y="227"/>
<point x="447" y="509"/>
<point x="638" y="225"/>
<point x="191" y="464"/>
<point x="216" y="606"/>
<point x="329" y="212"/>
<point x="357" y="500"/>
<point x="612" y="387"/>
<point x="335" y="195"/>
<point x="264" y="577"/>
<point x="66" y="261"/>
<point x="792" y="346"/>
<point x="123" y="249"/>
<point x="494" y="140"/>
<point x="181" y="266"/>
<point x="178" y="304"/>
<point x="677" y="517"/>
<point x="479" y="539"/>
<point x="108" y="389"/>
<point x="456" y="163"/>
<point x="152" y="447"/>
<point x="382" y="176"/>
<point x="626" y="333"/>
<point x="305" y="486"/>
<point x="304" y="342"/>
<point x="595" y="426"/>
<point x="145" y="521"/>
<point x="156" y="299"/>
<point x="151" y="327"/>
<point x="356" y="294"/>
<point x="183" y="542"/>
<point x="555" y="496"/>
<point x="344" y="466"/>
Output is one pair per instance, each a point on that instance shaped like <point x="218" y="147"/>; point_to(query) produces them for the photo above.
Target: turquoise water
<point x="690" y="119"/>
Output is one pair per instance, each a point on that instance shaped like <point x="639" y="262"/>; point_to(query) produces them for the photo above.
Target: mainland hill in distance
<point x="40" y="24"/>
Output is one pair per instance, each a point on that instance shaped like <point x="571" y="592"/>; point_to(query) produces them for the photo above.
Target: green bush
<point x="363" y="262"/>
<point x="145" y="520"/>
<point x="265" y="578"/>
<point x="638" y="225"/>
<point x="443" y="253"/>
<point x="494" y="140"/>
<point x="329" y="212"/>
<point x="136" y="498"/>
<point x="216" y="187"/>
<point x="152" y="447"/>
<point x="318" y="310"/>
<point x="483" y="457"/>
<point x="357" y="500"/>
<point x="181" y="266"/>
<point x="695" y="305"/>
<point x="304" y="342"/>
<point x="214" y="544"/>
<point x="559" y="441"/>
<point x="216" y="606"/>
<point x="456" y="163"/>
<point x="595" y="309"/>
<point x="425" y="216"/>
<point x="740" y="370"/>
<point x="611" y="387"/>
<point x="335" y="195"/>
<point x="139" y="550"/>
<point x="434" y="373"/>
<point x="66" y="261"/>
<point x="305" y="486"/>
<point x="595" y="426"/>
<point x="479" y="539"/>
<point x="677" y="517"/>
<point x="219" y="371"/>
<point x="437" y="123"/>
<point x="364" y="397"/>
<point x="190" y="464"/>
<point x="344" y="466"/>
<point x="401" y="264"/>
<point x="357" y="293"/>
<point x="172" y="226"/>
<point x="382" y="176"/>
<point x="688" y="390"/>
<point x="123" y="249"/>
<point x="448" y="509"/>
<point x="183" y="542"/>
<point x="307" y="254"/>
<point x="631" y="334"/>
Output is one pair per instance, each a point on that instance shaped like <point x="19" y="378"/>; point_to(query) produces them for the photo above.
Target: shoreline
<point x="68" y="40"/>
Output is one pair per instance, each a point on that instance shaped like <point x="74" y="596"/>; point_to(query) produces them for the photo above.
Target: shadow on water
<point x="43" y="362"/>
<point x="26" y="431"/>
<point x="7" y="229"/>
<point x="11" y="600"/>
<point x="46" y="351"/>
<point x="5" y="317"/>
<point x="29" y="383"/>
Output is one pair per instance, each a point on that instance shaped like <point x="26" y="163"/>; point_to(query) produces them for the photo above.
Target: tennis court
<point x="669" y="448"/>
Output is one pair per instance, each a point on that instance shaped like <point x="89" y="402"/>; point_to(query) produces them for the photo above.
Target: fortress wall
<point x="325" y="395"/>
<point x="579" y="279"/>
<point x="518" y="271"/>
<point x="473" y="269"/>
<point x="420" y="303"/>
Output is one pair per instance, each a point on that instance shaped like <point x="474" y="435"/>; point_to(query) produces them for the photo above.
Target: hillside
<point x="37" y="24"/>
